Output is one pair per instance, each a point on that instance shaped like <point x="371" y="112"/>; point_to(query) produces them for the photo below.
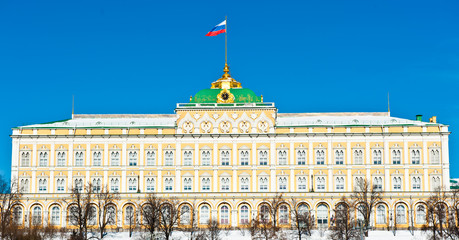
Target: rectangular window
<point x="205" y="155"/>
<point x="132" y="158"/>
<point x="60" y="159"/>
<point x="301" y="184"/>
<point x="263" y="157"/>
<point x="79" y="159"/>
<point x="263" y="184"/>
<point x="244" y="184"/>
<point x="43" y="159"/>
<point x="282" y="183"/>
<point x="301" y="157"/>
<point x="168" y="158"/>
<point x="97" y="158"/>
<point x="320" y="157"/>
<point x="187" y="183"/>
<point x="187" y="158"/>
<point x="225" y="157"/>
<point x="339" y="157"/>
<point x="244" y="156"/>
<point x="150" y="183"/>
<point x="282" y="157"/>
<point x="151" y="158"/>
<point x="205" y="184"/>
<point x="115" y="158"/>
<point x="114" y="185"/>
<point x="225" y="184"/>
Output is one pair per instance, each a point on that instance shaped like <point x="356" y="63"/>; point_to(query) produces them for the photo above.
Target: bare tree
<point x="131" y="218"/>
<point x="169" y="217"/>
<point x="151" y="213"/>
<point x="344" y="224"/>
<point x="192" y="225"/>
<point x="214" y="230"/>
<point x="262" y="228"/>
<point x="365" y="196"/>
<point x="273" y="210"/>
<point x="80" y="209"/>
<point x="105" y="201"/>
<point x="436" y="211"/>
<point x="301" y="218"/>
<point x="9" y="197"/>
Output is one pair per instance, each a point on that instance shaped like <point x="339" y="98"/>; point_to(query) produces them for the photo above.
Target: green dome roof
<point x="241" y="95"/>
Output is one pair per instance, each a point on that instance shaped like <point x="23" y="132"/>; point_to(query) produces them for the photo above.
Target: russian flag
<point x="220" y="28"/>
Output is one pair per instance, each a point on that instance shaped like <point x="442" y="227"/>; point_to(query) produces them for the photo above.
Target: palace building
<point x="227" y="151"/>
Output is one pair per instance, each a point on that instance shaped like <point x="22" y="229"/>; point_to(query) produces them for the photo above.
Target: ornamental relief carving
<point x="225" y="127"/>
<point x="263" y="126"/>
<point x="187" y="127"/>
<point x="244" y="127"/>
<point x="206" y="127"/>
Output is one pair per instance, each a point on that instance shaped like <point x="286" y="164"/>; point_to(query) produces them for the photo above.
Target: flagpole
<point x="226" y="40"/>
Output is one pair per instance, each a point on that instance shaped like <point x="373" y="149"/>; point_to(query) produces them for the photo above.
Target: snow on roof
<point x="345" y="119"/>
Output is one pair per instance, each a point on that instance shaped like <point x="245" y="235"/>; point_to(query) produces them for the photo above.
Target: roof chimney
<point x="433" y="119"/>
<point x="419" y="118"/>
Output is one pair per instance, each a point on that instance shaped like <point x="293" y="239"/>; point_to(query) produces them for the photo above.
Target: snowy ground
<point x="238" y="235"/>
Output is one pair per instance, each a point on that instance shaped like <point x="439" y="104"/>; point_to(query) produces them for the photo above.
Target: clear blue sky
<point x="306" y="56"/>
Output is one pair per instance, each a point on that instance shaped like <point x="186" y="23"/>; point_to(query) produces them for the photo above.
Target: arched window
<point x="115" y="158"/>
<point x="244" y="156"/>
<point x="358" y="156"/>
<point x="436" y="183"/>
<point x="61" y="159"/>
<point x="96" y="159"/>
<point x="434" y="156"/>
<point x="132" y="184"/>
<point x="205" y="155"/>
<point x="204" y="216"/>
<point x="224" y="215"/>
<point x="264" y="213"/>
<point x="187" y="158"/>
<point x="42" y="185"/>
<point x="301" y="157"/>
<point x="151" y="158"/>
<point x="320" y="182"/>
<point x="415" y="156"/>
<point x="420" y="214"/>
<point x="339" y="183"/>
<point x="36" y="215"/>
<point x="283" y="214"/>
<point x="55" y="215"/>
<point x="400" y="214"/>
<point x="339" y="157"/>
<point x="282" y="157"/>
<point x="185" y="215"/>
<point x="263" y="157"/>
<point x="43" y="159"/>
<point x="24" y="185"/>
<point x="92" y="220"/>
<point x="96" y="185"/>
<point x="396" y="156"/>
<point x="25" y="159"/>
<point x="322" y="215"/>
<point x="320" y="157"/>
<point x="73" y="213"/>
<point x="129" y="216"/>
<point x="303" y="209"/>
<point x="377" y="156"/>
<point x="381" y="214"/>
<point x="244" y="214"/>
<point x="132" y="158"/>
<point x="60" y="186"/>
<point x="111" y="215"/>
<point x="17" y="215"/>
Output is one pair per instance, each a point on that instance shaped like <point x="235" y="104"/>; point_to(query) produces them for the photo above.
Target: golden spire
<point x="226" y="81"/>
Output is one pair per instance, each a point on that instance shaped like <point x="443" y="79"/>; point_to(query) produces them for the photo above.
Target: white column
<point x="52" y="154"/>
<point x="445" y="160"/>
